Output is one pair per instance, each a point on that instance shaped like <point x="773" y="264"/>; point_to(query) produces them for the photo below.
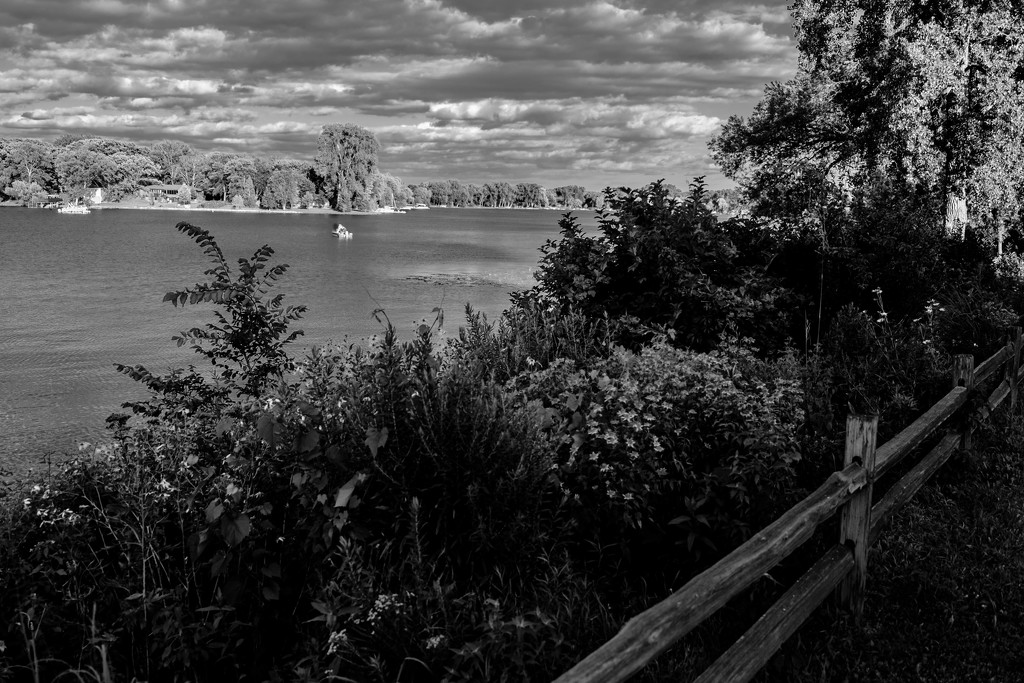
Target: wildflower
<point x="336" y="640"/>
<point x="384" y="604"/>
<point x="436" y="642"/>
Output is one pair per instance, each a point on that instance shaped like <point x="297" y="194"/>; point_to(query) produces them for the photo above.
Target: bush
<point x="660" y="266"/>
<point x="668" y="453"/>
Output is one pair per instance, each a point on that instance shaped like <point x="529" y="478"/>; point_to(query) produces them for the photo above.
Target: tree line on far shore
<point x="345" y="175"/>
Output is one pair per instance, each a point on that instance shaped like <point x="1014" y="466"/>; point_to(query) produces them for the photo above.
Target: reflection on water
<point x="80" y="293"/>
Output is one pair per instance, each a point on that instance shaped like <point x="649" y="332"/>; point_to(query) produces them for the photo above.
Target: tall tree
<point x="345" y="161"/>
<point x="926" y="92"/>
<point x="167" y="154"/>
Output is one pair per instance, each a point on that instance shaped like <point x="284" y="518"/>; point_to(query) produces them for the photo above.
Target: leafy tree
<point x="26" y="193"/>
<point x="571" y="196"/>
<point x="440" y="193"/>
<point x="216" y="174"/>
<point x="27" y="160"/>
<point x="420" y="194"/>
<point x="282" y="191"/>
<point x="78" y="167"/>
<point x="191" y="169"/>
<point x="926" y="92"/>
<point x="245" y="193"/>
<point x="476" y="194"/>
<point x="345" y="161"/>
<point x="132" y="168"/>
<point x="264" y="166"/>
<point x="240" y="171"/>
<point x="529" y="195"/>
<point x="458" y="194"/>
<point x="168" y="155"/>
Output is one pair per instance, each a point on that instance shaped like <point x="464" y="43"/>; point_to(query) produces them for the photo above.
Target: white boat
<point x="420" y="207"/>
<point x="74" y="208"/>
<point x="389" y="209"/>
<point x="342" y="232"/>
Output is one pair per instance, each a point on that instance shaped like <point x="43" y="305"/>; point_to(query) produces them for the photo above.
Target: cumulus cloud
<point x="599" y="91"/>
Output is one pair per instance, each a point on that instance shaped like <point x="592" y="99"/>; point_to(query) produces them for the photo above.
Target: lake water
<point x="80" y="293"/>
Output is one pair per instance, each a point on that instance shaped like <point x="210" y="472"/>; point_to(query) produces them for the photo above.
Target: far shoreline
<point x="323" y="211"/>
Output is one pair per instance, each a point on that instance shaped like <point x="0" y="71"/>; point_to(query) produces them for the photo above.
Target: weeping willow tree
<point x="346" y="161"/>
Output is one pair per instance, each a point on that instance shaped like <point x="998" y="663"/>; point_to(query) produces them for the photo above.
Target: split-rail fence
<point x="843" y="568"/>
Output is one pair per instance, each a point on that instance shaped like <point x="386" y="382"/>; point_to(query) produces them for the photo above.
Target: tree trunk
<point x="956" y="213"/>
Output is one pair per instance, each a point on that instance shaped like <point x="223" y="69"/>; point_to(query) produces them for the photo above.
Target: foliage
<point x="636" y="434"/>
<point x="660" y="265"/>
<point x="929" y="97"/>
<point x="345" y="162"/>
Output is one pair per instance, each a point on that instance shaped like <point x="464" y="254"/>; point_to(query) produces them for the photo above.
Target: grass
<point x="946" y="584"/>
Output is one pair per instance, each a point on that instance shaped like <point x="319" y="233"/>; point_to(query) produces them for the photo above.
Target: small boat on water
<point x="342" y="232"/>
<point x="419" y="207"/>
<point x="389" y="209"/>
<point x="78" y="209"/>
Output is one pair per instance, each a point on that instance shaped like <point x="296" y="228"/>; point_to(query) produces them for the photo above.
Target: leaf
<point x="235" y="529"/>
<point x="272" y="570"/>
<point x="333" y="454"/>
<point x="217" y="564"/>
<point x="224" y="426"/>
<point x="265" y="428"/>
<point x="309" y="441"/>
<point x="345" y="492"/>
<point x="271" y="591"/>
<point x="375" y="439"/>
<point x="214" y="510"/>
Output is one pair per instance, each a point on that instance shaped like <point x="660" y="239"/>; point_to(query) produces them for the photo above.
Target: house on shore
<point x="168" y="193"/>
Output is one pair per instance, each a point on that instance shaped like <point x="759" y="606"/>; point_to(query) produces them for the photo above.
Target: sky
<point x="591" y="92"/>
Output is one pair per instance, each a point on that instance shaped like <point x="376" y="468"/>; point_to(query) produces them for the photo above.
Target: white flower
<point x="336" y="640"/>
<point x="436" y="642"/>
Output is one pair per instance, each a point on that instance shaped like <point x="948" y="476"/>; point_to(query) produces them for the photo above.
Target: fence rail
<point x="842" y="569"/>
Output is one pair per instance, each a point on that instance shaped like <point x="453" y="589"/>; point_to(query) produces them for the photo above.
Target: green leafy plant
<point x="659" y="265"/>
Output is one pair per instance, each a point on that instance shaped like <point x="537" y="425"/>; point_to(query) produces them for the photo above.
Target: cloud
<point x="455" y="86"/>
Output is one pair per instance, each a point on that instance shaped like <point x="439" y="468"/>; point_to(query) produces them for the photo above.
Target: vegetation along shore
<point x="499" y="506"/>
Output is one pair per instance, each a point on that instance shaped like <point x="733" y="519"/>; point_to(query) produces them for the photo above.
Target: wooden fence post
<point x="963" y="376"/>
<point x="1013" y="366"/>
<point x="855" y="521"/>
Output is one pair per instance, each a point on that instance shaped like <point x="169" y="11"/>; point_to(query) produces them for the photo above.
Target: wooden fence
<point x="842" y="569"/>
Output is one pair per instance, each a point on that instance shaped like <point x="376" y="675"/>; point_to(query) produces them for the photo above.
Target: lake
<point x="80" y="293"/>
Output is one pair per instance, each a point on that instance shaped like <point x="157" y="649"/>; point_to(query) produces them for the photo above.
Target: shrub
<point x="658" y="265"/>
<point x="668" y="452"/>
<point x="893" y="369"/>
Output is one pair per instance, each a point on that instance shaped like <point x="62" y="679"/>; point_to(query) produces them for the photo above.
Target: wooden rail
<point x="842" y="569"/>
